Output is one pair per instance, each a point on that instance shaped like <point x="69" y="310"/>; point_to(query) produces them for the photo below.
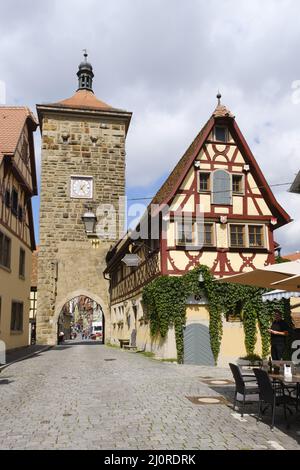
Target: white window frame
<point x="263" y="234"/>
<point x="182" y="222"/>
<point x="210" y="182"/>
<point x="242" y="193"/>
<point x="207" y="222"/>
<point x="247" y="244"/>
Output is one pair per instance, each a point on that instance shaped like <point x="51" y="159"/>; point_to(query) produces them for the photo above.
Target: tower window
<point x="221" y="134"/>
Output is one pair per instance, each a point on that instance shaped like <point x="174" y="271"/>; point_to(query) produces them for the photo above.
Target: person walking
<point x="279" y="331"/>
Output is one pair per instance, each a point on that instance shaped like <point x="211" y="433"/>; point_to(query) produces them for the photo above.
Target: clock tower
<point x="82" y="177"/>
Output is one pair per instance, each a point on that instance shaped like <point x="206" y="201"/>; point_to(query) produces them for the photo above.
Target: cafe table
<point x="286" y="382"/>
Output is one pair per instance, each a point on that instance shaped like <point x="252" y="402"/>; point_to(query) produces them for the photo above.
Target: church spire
<point x="85" y="74"/>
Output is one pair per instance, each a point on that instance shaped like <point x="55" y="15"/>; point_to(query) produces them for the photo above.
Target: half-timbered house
<point x="17" y="186"/>
<point x="218" y="210"/>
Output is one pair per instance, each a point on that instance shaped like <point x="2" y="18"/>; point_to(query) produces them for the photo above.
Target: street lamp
<point x="89" y="219"/>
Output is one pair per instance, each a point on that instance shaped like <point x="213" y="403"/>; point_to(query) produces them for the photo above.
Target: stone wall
<point x="69" y="262"/>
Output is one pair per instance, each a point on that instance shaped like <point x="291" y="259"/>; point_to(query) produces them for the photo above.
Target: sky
<point x="165" y="61"/>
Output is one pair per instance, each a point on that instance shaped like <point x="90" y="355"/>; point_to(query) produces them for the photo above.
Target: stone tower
<point x="83" y="167"/>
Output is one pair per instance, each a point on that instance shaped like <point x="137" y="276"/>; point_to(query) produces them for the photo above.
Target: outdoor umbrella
<point x="290" y="284"/>
<point x="269" y="277"/>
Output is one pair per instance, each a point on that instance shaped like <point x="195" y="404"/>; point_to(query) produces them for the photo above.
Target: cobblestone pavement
<point x="96" y="397"/>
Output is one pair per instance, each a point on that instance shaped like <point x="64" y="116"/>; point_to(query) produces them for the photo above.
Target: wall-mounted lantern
<point x="89" y="219"/>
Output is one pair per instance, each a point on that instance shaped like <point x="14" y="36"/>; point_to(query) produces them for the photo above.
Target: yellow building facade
<point x="18" y="185"/>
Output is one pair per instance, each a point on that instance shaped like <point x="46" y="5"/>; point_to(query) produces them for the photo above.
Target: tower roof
<point x="84" y="99"/>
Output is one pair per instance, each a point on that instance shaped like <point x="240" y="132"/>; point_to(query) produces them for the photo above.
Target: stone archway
<point x="78" y="293"/>
<point x="87" y="294"/>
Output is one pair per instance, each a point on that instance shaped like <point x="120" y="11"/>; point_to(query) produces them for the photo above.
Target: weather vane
<point x="85" y="54"/>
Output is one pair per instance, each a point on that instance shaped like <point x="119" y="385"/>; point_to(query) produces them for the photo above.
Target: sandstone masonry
<point x="77" y="141"/>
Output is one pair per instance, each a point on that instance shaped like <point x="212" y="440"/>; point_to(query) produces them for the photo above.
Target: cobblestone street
<point x="96" y="397"/>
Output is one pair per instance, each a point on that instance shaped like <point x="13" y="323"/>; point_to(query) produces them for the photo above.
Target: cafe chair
<point x="270" y="396"/>
<point x="244" y="392"/>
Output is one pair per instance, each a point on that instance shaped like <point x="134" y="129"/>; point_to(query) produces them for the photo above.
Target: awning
<point x="278" y="295"/>
<point x="269" y="276"/>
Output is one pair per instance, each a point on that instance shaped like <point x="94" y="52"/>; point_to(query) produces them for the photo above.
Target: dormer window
<point x="221" y="134"/>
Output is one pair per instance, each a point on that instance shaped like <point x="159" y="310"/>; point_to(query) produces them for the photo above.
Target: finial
<point x="219" y="96"/>
<point x="85" y="54"/>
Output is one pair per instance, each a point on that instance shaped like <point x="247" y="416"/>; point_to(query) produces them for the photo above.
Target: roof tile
<point x="12" y="121"/>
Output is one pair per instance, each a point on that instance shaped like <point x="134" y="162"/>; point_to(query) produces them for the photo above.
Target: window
<point x="256" y="237"/>
<point x="221" y="134"/>
<point x="20" y="213"/>
<point x="221" y="188"/>
<point x="7" y="198"/>
<point x="237" y="235"/>
<point x="205" y="234"/>
<point x="14" y="201"/>
<point x="22" y="263"/>
<point x="204" y="182"/>
<point x="33" y="302"/>
<point x="237" y="184"/>
<point x="185" y="233"/>
<point x="16" y="323"/>
<point x="5" y="250"/>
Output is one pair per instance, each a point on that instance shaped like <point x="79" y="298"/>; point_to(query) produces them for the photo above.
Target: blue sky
<point x="165" y="61"/>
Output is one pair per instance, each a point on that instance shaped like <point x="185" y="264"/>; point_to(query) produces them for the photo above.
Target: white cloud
<point x="165" y="60"/>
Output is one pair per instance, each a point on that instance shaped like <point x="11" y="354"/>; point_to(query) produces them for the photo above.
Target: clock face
<point x="82" y="187"/>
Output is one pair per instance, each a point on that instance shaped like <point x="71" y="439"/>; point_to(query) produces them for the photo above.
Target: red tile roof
<point x="292" y="256"/>
<point x="179" y="171"/>
<point x="85" y="99"/>
<point x="12" y="121"/>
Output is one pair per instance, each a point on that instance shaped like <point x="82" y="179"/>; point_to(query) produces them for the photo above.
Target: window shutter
<point x="221" y="187"/>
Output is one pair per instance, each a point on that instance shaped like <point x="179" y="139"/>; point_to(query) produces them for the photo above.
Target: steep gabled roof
<point x="172" y="183"/>
<point x="221" y="115"/>
<point x="12" y="122"/>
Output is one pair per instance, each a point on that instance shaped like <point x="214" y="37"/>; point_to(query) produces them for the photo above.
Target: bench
<point x="127" y="346"/>
<point x="123" y="342"/>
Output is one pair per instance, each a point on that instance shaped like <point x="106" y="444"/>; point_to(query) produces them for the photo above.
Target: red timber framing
<point x="258" y="193"/>
<point x="19" y="174"/>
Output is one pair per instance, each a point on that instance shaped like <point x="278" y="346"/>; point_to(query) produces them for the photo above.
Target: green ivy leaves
<point x="165" y="299"/>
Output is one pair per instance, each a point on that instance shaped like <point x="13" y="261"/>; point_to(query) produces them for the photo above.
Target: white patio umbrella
<point x="269" y="277"/>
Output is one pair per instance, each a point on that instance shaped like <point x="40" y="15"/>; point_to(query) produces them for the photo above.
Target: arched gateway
<point x="83" y="166"/>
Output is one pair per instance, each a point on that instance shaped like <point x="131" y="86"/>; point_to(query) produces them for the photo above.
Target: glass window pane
<point x="220" y="134"/>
